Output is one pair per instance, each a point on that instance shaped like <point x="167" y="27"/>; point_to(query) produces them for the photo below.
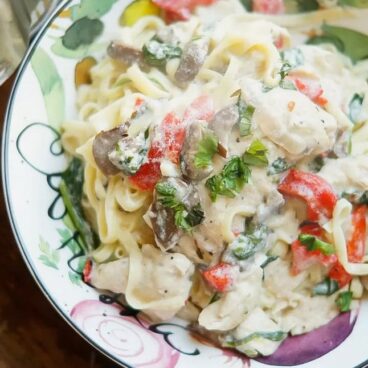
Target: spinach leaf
<point x="314" y="243"/>
<point x="230" y="181"/>
<point x="71" y="189"/>
<point x="326" y="287"/>
<point x="245" y="117"/>
<point x="350" y="42"/>
<point x="343" y="301"/>
<point x="363" y="4"/>
<point x="206" y="150"/>
<point x="248" y="4"/>
<point x="256" y="154"/>
<point x="272" y="336"/>
<point x="279" y="166"/>
<point x="157" y="53"/>
<point x="307" y="6"/>
<point x="355" y="107"/>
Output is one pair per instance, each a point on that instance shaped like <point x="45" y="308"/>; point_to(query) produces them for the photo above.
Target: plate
<point x="32" y="162"/>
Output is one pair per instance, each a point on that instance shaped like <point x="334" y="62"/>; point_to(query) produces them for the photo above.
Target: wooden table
<point x="32" y="334"/>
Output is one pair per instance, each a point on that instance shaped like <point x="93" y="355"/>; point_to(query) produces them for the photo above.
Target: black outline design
<point x="5" y="178"/>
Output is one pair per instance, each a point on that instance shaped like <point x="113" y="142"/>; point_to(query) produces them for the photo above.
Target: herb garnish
<point x="256" y="154"/>
<point x="230" y="181"/>
<point x="245" y="117"/>
<point x="185" y="218"/>
<point x="278" y="166"/>
<point x="206" y="150"/>
<point x="71" y="189"/>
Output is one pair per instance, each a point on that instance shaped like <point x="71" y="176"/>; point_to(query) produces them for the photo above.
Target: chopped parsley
<point x="256" y="154"/>
<point x="206" y="150"/>
<point x="279" y="166"/>
<point x="245" y="117"/>
<point x="291" y="58"/>
<point x="326" y="287"/>
<point x="157" y="53"/>
<point x="286" y="83"/>
<point x="185" y="218"/>
<point x="230" y="181"/>
<point x="343" y="301"/>
<point x="313" y="243"/>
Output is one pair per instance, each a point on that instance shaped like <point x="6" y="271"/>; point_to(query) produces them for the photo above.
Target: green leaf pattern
<point x="48" y="257"/>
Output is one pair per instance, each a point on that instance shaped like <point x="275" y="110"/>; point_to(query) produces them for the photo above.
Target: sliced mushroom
<point x="163" y="225"/>
<point x="162" y="218"/>
<point x="193" y="58"/>
<point x="222" y="124"/>
<point x="103" y="144"/>
<point x="195" y="132"/>
<point x="125" y="54"/>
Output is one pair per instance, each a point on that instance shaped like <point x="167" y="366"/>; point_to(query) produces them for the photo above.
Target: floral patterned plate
<point x="43" y="96"/>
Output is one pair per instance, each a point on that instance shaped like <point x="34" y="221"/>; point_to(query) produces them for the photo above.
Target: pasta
<point x="225" y="173"/>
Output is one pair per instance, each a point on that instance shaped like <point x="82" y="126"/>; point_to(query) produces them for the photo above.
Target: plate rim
<point x="5" y="181"/>
<point x="6" y="195"/>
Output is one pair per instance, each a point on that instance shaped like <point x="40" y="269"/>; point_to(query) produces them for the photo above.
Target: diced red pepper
<point x="138" y="102"/>
<point x="180" y="9"/>
<point x="311" y="88"/>
<point x="220" y="277"/>
<point x="318" y="195"/>
<point x="304" y="258"/>
<point x="174" y="136"/>
<point x="269" y="6"/>
<point x="202" y="108"/>
<point x="87" y="270"/>
<point x="313" y="228"/>
<point x="149" y="174"/>
<point x="339" y="274"/>
<point x="169" y="141"/>
<point x="279" y="42"/>
<point x="356" y="244"/>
